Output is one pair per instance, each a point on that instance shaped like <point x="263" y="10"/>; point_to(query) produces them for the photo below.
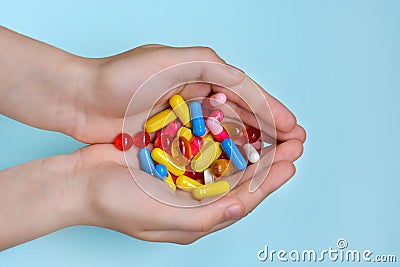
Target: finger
<point x="297" y="133"/>
<point x="280" y="173"/>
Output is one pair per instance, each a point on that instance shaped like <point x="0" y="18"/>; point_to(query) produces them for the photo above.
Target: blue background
<point x="336" y="64"/>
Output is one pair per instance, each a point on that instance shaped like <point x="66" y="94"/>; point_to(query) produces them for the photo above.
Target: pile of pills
<point x="190" y="146"/>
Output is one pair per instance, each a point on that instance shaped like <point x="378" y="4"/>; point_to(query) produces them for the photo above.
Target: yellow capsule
<point x="181" y="109"/>
<point x="186" y="183"/>
<point x="209" y="136"/>
<point x="186" y="133"/>
<point x="159" y="120"/>
<point x="170" y="182"/>
<point x="162" y="157"/>
<point x="209" y="190"/>
<point x="208" y="153"/>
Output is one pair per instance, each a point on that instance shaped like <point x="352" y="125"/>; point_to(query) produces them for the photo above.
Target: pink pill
<point x="217" y="99"/>
<point x="172" y="128"/>
<point x="216" y="129"/>
<point x="196" y="144"/>
<point x="218" y="114"/>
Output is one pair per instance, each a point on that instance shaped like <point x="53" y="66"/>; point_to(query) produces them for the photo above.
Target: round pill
<point x="253" y="134"/>
<point x="161" y="171"/>
<point x="123" y="141"/>
<point x="141" y="139"/>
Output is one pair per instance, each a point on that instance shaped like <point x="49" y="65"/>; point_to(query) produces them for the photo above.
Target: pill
<point x="208" y="153"/>
<point x="161" y="171"/>
<point x="159" y="120"/>
<point x="123" y="141"/>
<point x="146" y="162"/>
<point x="208" y="190"/>
<point x="198" y="176"/>
<point x="217" y="114"/>
<point x="181" y="151"/>
<point x="251" y="153"/>
<point x="196" y="114"/>
<point x="186" y="183"/>
<point x="164" y="142"/>
<point x="162" y="157"/>
<point x="216" y="129"/>
<point x="172" y="128"/>
<point x="234" y="154"/>
<point x="214" y="101"/>
<point x="195" y="145"/>
<point x="170" y="182"/>
<point x="181" y="109"/>
<point x="234" y="130"/>
<point x="252" y="134"/>
<point x="186" y="133"/>
<point x="141" y="139"/>
<point x="221" y="167"/>
<point x="208" y="177"/>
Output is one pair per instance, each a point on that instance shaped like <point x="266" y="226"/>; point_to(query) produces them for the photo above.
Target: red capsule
<point x="141" y="139"/>
<point x="252" y="134"/>
<point x="184" y="147"/>
<point x="196" y="144"/>
<point x="172" y="128"/>
<point x="198" y="176"/>
<point x="218" y="114"/>
<point x="164" y="142"/>
<point x="123" y="141"/>
<point x="157" y="134"/>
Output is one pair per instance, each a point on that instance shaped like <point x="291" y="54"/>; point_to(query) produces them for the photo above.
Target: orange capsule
<point x="180" y="148"/>
<point x="222" y="167"/>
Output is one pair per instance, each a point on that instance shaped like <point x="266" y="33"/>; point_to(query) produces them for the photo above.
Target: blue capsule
<point x="196" y="115"/>
<point x="161" y="171"/>
<point x="147" y="165"/>
<point x="234" y="154"/>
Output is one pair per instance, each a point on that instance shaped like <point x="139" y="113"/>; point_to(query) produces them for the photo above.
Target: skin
<point x="50" y="89"/>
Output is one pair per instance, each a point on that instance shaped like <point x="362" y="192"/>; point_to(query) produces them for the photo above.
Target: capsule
<point x="234" y="130"/>
<point x="172" y="128"/>
<point x="216" y="129"/>
<point x="217" y="114"/>
<point x="186" y="133"/>
<point x="221" y="167"/>
<point x="234" y="154"/>
<point x="161" y="171"/>
<point x="159" y="120"/>
<point x="197" y="176"/>
<point x="162" y="157"/>
<point x="146" y="162"/>
<point x="214" y="101"/>
<point x="208" y="153"/>
<point x="195" y="145"/>
<point x="208" y="177"/>
<point x="170" y="182"/>
<point x="186" y="184"/>
<point x="252" y="134"/>
<point x="208" y="190"/>
<point x="181" y="109"/>
<point x="196" y="114"/>
<point x="181" y="151"/>
<point x="251" y="153"/>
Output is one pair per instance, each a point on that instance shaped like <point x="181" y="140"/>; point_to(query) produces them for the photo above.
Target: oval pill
<point x="181" y="109"/>
<point x="208" y="153"/>
<point x="159" y="120"/>
<point x="209" y="190"/>
<point x="162" y="157"/>
<point x="186" y="184"/>
<point x="251" y="153"/>
<point x="222" y="167"/>
<point x="234" y="154"/>
<point x="161" y="171"/>
<point x="196" y="114"/>
<point x="208" y="177"/>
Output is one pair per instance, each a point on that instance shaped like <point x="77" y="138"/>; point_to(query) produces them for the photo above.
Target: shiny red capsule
<point x="252" y="134"/>
<point x="123" y="141"/>
<point x="141" y="139"/>
<point x="184" y="147"/>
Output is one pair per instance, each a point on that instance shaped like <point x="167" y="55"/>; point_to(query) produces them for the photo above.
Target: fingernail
<point x="233" y="212"/>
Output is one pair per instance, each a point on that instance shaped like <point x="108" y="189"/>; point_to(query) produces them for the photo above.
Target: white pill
<point x="208" y="177"/>
<point x="251" y="153"/>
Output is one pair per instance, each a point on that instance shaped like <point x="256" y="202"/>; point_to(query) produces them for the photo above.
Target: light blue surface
<point x="336" y="64"/>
